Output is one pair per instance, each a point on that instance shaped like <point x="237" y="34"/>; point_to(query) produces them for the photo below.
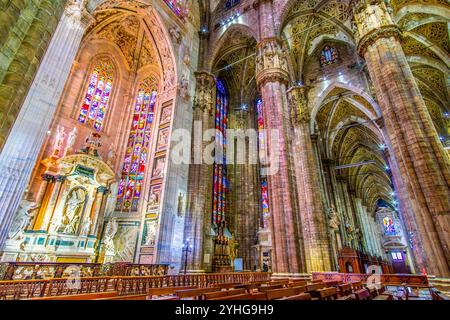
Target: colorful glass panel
<point x="262" y="152"/>
<point x="136" y="153"/>
<point x="389" y="228"/>
<point x="179" y="7"/>
<point x="231" y="3"/>
<point x="220" y="182"/>
<point x="95" y="103"/>
<point x="329" y="55"/>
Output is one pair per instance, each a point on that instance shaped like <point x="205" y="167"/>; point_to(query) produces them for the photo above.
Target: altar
<point x="65" y="224"/>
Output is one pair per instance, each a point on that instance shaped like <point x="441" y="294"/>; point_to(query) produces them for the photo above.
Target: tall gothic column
<point x="423" y="166"/>
<point x="28" y="133"/>
<point x="198" y="216"/>
<point x="315" y="237"/>
<point x="272" y="80"/>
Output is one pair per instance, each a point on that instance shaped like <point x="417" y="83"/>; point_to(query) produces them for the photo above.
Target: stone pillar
<point x="272" y="79"/>
<point x="51" y="205"/>
<point x="423" y="167"/>
<point x="27" y="27"/>
<point x="199" y="213"/>
<point x="312" y="213"/>
<point x="102" y="197"/>
<point x="42" y="199"/>
<point x="21" y="150"/>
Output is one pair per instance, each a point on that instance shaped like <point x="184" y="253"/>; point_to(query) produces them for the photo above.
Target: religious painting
<point x="166" y="114"/>
<point x="149" y="232"/>
<point x="163" y="139"/>
<point x="125" y="241"/>
<point x="154" y="198"/>
<point x="158" y="168"/>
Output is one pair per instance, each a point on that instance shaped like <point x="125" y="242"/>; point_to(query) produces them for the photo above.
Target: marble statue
<point x="22" y="219"/>
<point x="111" y="230"/>
<point x="72" y="138"/>
<point x="59" y="139"/>
<point x="86" y="225"/>
<point x="72" y="211"/>
<point x="333" y="218"/>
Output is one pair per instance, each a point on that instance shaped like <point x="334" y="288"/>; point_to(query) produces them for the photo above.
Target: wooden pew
<point x="130" y="297"/>
<point x="194" y="293"/>
<point x="223" y="293"/>
<point x="357" y="285"/>
<point x="272" y="287"/>
<point x="280" y="293"/>
<point x="362" y="294"/>
<point x="83" y="296"/>
<point x="316" y="281"/>
<point x="225" y="285"/>
<point x="167" y="290"/>
<point x="344" y="289"/>
<point x="297" y="283"/>
<point x="256" y="296"/>
<point x="328" y="293"/>
<point x="301" y="296"/>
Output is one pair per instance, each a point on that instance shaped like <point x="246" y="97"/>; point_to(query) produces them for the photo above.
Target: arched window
<point x="389" y="228"/>
<point x="178" y="6"/>
<point x="231" y="3"/>
<point x="328" y="56"/>
<point x="220" y="182"/>
<point x="138" y="146"/>
<point x="262" y="151"/>
<point x="97" y="96"/>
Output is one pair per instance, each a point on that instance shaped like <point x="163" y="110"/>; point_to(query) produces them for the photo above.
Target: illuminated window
<point x="329" y="55"/>
<point x="397" y="256"/>
<point x="97" y="96"/>
<point x="220" y="182"/>
<point x="178" y="6"/>
<point x="262" y="151"/>
<point x="138" y="146"/>
<point x="389" y="228"/>
<point x="231" y="3"/>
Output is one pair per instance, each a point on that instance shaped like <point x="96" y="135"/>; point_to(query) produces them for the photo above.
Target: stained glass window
<point x="262" y="151"/>
<point x="231" y="3"/>
<point x="97" y="96"/>
<point x="329" y="55"/>
<point x="138" y="146"/>
<point x="220" y="182"/>
<point x="389" y="228"/>
<point x="178" y="6"/>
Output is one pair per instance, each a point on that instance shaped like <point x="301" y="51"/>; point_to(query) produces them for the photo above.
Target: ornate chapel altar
<point x="65" y="224"/>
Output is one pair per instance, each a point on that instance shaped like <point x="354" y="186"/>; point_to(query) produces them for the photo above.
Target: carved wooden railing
<point x="47" y="270"/>
<point x="125" y="285"/>
<point x="387" y="279"/>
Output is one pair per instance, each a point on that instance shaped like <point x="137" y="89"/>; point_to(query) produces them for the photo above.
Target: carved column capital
<point x="271" y="62"/>
<point x="76" y="11"/>
<point x="205" y="91"/>
<point x="372" y="21"/>
<point x="298" y="104"/>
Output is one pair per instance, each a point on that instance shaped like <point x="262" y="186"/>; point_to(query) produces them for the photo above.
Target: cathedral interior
<point x="213" y="136"/>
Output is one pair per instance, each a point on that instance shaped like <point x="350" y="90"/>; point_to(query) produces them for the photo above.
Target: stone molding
<point x="375" y="34"/>
<point x="271" y="62"/>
